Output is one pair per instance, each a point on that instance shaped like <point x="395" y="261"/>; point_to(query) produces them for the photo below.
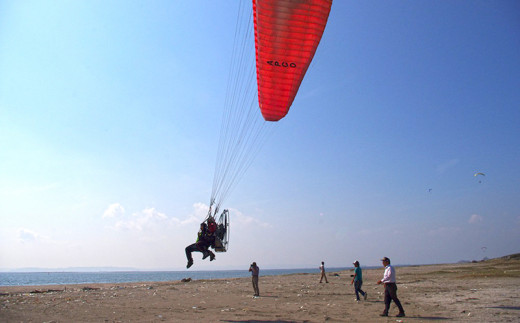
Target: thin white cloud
<point x="143" y="220"/>
<point x="152" y="220"/>
<point x="447" y="165"/>
<point x="25" y="235"/>
<point x="240" y="220"/>
<point x="152" y="226"/>
<point x="114" y="210"/>
<point x="128" y="225"/>
<point x="200" y="211"/>
<point x="152" y="213"/>
<point x="475" y="218"/>
<point x="28" y="236"/>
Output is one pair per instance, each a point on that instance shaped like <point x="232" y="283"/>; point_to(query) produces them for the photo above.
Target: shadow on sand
<point x="429" y="318"/>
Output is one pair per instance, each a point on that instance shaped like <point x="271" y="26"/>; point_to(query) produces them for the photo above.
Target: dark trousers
<point x="194" y="247"/>
<point x="357" y="288"/>
<point x="391" y="295"/>
<point x="189" y="249"/>
<point x="255" y="285"/>
<point x="200" y="247"/>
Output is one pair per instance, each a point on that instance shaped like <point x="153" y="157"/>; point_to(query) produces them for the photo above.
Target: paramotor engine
<point x="222" y="232"/>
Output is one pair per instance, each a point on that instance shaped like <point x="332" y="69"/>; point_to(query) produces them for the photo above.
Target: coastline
<point x="483" y="291"/>
<point x="39" y="278"/>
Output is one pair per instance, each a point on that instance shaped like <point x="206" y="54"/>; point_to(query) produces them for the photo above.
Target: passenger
<point x="211" y="232"/>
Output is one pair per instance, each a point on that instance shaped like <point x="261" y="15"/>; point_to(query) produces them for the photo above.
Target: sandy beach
<point x="486" y="291"/>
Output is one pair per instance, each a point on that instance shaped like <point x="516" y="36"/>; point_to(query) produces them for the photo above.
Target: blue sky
<point x="109" y="124"/>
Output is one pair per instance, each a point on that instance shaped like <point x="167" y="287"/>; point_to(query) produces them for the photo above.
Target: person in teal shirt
<point x="358" y="281"/>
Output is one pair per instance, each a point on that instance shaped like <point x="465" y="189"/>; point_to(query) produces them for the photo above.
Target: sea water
<point x="65" y="278"/>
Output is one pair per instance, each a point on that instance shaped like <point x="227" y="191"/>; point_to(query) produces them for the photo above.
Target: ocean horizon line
<point x="88" y="269"/>
<point x="177" y="269"/>
<point x="39" y="278"/>
<point x="34" y="276"/>
<point x="136" y="269"/>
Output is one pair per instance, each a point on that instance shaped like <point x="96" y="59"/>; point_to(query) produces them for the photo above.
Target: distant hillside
<point x="514" y="256"/>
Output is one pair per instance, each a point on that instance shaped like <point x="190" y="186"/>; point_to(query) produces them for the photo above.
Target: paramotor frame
<point x="222" y="232"/>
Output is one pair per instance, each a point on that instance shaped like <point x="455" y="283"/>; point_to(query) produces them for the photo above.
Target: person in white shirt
<point x="390" y="288"/>
<point x="322" y="270"/>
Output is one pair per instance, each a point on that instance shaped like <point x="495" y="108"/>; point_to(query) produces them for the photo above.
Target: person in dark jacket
<point x="201" y="245"/>
<point x="255" y="272"/>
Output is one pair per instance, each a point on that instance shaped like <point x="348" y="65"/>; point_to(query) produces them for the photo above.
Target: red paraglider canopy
<point x="287" y="33"/>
